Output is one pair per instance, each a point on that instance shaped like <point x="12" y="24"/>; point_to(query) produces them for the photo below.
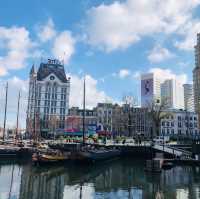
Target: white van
<point x="160" y="139"/>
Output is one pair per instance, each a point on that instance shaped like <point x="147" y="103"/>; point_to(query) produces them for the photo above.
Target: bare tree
<point x="53" y="123"/>
<point x="156" y="111"/>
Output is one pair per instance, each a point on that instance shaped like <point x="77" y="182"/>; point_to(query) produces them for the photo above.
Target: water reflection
<point x="118" y="179"/>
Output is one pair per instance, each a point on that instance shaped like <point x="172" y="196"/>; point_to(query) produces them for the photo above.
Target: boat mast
<point x="5" y="113"/>
<point x="16" y="136"/>
<point x="34" y="114"/>
<point x="84" y="112"/>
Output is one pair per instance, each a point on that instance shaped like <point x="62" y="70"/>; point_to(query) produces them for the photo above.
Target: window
<point x="167" y="131"/>
<point x="172" y="131"/>
<point x="163" y="123"/>
<point x="179" y="124"/>
<point x="172" y="123"/>
<point x="195" y="118"/>
<point x="167" y="123"/>
<point x="179" y="118"/>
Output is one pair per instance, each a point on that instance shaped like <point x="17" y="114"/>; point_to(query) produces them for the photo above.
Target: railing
<point x="172" y="150"/>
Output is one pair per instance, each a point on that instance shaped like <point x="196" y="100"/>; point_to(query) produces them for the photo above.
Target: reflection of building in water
<point x="119" y="179"/>
<point x="44" y="185"/>
<point x="135" y="182"/>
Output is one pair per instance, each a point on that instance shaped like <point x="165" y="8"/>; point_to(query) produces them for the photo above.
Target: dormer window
<point x="52" y="77"/>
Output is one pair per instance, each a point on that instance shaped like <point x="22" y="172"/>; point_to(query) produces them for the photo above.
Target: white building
<point x="172" y="92"/>
<point x="180" y="122"/>
<point x="104" y="116"/>
<point x="150" y="89"/>
<point x="188" y="97"/>
<point x="48" y="99"/>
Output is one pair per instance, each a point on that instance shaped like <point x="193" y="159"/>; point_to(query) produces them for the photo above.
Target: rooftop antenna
<point x="63" y="60"/>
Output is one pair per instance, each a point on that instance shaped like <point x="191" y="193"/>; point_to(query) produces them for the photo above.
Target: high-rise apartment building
<point x="48" y="99"/>
<point x="150" y="89"/>
<point x="188" y="97"/>
<point x="196" y="77"/>
<point x="172" y="93"/>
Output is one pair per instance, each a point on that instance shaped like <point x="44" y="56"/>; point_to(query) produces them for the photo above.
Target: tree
<point x="155" y="109"/>
<point x="53" y="123"/>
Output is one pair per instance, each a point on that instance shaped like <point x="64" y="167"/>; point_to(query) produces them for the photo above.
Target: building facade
<point x="150" y="89"/>
<point x="180" y="123"/>
<point x="48" y="99"/>
<point x="131" y="121"/>
<point x="173" y="94"/>
<point x="188" y="97"/>
<point x="104" y="116"/>
<point x="196" y="77"/>
<point x="75" y="120"/>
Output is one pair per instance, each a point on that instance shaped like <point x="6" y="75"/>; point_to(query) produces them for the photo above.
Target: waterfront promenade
<point x="144" y="149"/>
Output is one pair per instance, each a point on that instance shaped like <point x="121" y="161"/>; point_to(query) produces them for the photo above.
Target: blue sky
<point x="112" y="42"/>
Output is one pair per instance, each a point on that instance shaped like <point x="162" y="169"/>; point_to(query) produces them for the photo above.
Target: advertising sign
<point x="92" y="129"/>
<point x="147" y="87"/>
<point x="146" y="91"/>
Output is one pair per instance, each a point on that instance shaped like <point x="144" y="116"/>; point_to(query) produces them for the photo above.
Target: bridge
<point x="172" y="150"/>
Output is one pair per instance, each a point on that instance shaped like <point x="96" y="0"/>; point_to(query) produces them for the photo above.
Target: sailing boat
<point x="90" y="153"/>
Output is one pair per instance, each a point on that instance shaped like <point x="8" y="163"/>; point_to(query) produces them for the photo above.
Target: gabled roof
<point x="46" y="69"/>
<point x="32" y="70"/>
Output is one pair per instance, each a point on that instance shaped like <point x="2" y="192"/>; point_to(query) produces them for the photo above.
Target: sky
<point x="110" y="42"/>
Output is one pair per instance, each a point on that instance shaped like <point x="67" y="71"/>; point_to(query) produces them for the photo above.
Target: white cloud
<point x="120" y="24"/>
<point x="93" y="95"/>
<point x="15" y="85"/>
<point x="47" y="32"/>
<point x="124" y="73"/>
<point x="16" y="44"/>
<point x="159" y="54"/>
<point x="63" y="47"/>
<point x="136" y="75"/>
<point x="3" y="71"/>
<point x="189" y="31"/>
<point x="164" y="74"/>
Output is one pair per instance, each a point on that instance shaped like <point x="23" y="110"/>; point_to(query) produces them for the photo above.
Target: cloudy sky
<point x="111" y="42"/>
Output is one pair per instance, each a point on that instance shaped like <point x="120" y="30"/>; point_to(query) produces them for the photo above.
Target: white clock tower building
<point x="48" y="99"/>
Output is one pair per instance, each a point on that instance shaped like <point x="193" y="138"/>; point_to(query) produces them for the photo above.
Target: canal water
<point x="116" y="179"/>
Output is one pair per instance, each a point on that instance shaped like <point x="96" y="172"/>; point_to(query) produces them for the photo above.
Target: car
<point x="160" y="139"/>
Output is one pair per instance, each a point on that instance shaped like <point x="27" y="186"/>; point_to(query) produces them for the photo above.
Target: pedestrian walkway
<point x="172" y="150"/>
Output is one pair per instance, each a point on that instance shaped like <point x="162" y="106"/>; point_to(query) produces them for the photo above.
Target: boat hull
<point x="98" y="155"/>
<point x="44" y="160"/>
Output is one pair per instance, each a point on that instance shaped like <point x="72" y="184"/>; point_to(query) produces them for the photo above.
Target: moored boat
<point x="98" y="154"/>
<point x="49" y="157"/>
